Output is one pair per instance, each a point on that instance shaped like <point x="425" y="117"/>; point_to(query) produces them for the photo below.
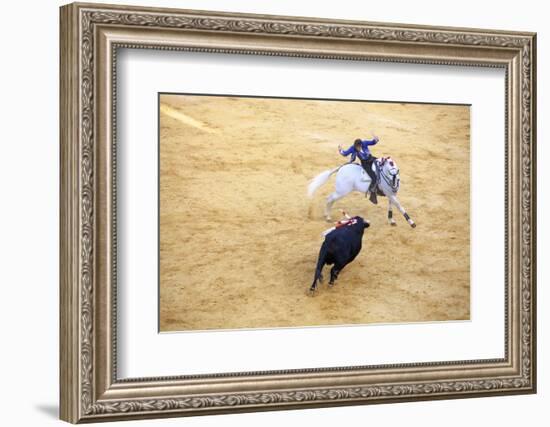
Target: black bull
<point x="340" y="247"/>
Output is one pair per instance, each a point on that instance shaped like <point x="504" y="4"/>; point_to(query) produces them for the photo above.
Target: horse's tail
<point x="320" y="180"/>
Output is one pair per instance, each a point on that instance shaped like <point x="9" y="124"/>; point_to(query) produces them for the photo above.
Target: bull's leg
<point x="390" y="213"/>
<point x="313" y="286"/>
<point x="321" y="261"/>
<point x="402" y="210"/>
<point x="338" y="266"/>
<point x="316" y="279"/>
<point x="334" y="271"/>
<point x="330" y="201"/>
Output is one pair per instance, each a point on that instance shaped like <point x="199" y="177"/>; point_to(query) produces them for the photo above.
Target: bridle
<point x="391" y="177"/>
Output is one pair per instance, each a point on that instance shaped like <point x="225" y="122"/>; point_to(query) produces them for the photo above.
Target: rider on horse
<point x="360" y="148"/>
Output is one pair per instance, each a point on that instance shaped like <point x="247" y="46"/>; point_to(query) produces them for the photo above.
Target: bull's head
<point x="357" y="219"/>
<point x="362" y="222"/>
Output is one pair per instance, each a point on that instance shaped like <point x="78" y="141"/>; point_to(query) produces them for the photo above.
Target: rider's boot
<point x="372" y="191"/>
<point x="373" y="197"/>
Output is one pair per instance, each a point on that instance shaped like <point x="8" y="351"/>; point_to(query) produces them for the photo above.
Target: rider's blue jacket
<point x="363" y="154"/>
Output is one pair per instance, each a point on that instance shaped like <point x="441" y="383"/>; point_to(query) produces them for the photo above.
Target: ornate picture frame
<point x="90" y="37"/>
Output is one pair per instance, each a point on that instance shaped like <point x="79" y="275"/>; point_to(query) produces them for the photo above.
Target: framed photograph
<point x="266" y="212"/>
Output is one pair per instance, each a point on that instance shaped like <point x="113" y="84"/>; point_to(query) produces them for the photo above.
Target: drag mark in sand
<point x="185" y="119"/>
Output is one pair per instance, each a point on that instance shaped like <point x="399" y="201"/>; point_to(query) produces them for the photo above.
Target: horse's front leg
<point x="390" y="213"/>
<point x="394" y="200"/>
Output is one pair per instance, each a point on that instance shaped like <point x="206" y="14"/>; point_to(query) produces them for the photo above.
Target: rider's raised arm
<point x="374" y="141"/>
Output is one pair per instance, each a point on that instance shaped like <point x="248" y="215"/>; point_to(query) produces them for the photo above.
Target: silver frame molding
<point x="90" y="37"/>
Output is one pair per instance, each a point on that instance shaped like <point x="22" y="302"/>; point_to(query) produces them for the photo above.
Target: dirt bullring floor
<point x="239" y="238"/>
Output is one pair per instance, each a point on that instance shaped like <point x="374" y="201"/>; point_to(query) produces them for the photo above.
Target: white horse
<point x="352" y="177"/>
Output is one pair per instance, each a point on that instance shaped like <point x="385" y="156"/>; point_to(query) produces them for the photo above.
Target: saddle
<point x="376" y="168"/>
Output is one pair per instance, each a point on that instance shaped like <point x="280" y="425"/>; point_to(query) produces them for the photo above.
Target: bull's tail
<point x="321" y="261"/>
<point x="320" y="180"/>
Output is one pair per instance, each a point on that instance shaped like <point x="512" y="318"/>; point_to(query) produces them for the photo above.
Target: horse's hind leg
<point x="330" y="201"/>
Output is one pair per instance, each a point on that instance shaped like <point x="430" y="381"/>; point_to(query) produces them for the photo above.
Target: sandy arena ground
<point x="239" y="238"/>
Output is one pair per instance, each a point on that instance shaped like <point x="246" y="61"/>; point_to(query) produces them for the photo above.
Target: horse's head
<point x="390" y="173"/>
